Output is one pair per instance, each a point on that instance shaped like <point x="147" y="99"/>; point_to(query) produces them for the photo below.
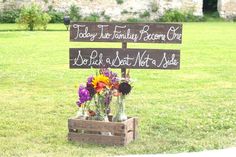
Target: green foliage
<point x="133" y="20"/>
<point x="56" y="16"/>
<point x="119" y="1"/>
<point x="92" y="17"/>
<point x="75" y="13"/>
<point x="173" y="16"/>
<point x="103" y="13"/>
<point x="234" y="19"/>
<point x="50" y="7"/>
<point x="212" y="17"/>
<point x="189" y="17"/>
<point x="9" y="15"/>
<point x="107" y="18"/>
<point x="33" y="17"/>
<point x="103" y="17"/>
<point x="215" y="14"/>
<point x="144" y="14"/>
<point x="154" y="6"/>
<point x="124" y="12"/>
<point x="178" y="16"/>
<point x="45" y="1"/>
<point x="43" y="20"/>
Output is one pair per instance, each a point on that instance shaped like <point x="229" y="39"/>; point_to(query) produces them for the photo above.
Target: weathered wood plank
<point x="97" y="139"/>
<point x="129" y="124"/>
<point x="126" y="32"/>
<point x="129" y="137"/>
<point x="123" y="70"/>
<point x="124" y="58"/>
<point x="135" y="125"/>
<point x="89" y="131"/>
<point x="90" y="125"/>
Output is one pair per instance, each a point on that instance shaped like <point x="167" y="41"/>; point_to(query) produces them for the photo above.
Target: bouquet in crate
<point x="95" y="97"/>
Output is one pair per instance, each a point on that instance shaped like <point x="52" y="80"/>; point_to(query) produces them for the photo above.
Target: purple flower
<point x="90" y="79"/>
<point x="91" y="90"/>
<point x="78" y="103"/>
<point x="84" y="95"/>
<point x="114" y="79"/>
<point x="106" y="73"/>
<point x="107" y="101"/>
<point x="112" y="76"/>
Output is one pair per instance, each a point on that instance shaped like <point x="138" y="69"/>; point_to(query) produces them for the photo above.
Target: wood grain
<point x="124" y="58"/>
<point x="90" y="131"/>
<point x="92" y="125"/>
<point x="126" y="32"/>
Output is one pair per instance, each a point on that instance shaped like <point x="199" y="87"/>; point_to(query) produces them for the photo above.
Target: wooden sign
<point x="126" y="32"/>
<point x="124" y="58"/>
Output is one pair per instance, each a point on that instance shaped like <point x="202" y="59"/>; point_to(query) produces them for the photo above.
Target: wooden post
<point x="135" y="128"/>
<point x="123" y="70"/>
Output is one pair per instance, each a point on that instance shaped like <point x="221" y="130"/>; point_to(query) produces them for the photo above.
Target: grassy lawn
<point x="190" y="109"/>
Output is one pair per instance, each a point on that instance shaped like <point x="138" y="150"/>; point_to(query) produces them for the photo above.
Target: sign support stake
<point x="123" y="70"/>
<point x="125" y="58"/>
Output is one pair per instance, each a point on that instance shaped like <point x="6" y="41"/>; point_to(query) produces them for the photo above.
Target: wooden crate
<point x="89" y="131"/>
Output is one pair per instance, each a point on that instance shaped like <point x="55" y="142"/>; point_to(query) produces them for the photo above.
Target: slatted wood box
<point x="89" y="131"/>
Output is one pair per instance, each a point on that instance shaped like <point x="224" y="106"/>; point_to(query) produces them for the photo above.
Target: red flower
<point x="100" y="86"/>
<point x="116" y="85"/>
<point x="92" y="113"/>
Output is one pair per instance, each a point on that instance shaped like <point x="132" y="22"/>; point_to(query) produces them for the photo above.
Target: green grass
<point x="190" y="109"/>
<point x="17" y="27"/>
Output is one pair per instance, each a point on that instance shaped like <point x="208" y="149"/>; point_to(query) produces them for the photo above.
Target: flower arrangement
<point x="95" y="97"/>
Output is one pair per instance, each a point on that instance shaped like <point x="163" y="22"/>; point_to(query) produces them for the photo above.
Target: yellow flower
<point x="100" y="78"/>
